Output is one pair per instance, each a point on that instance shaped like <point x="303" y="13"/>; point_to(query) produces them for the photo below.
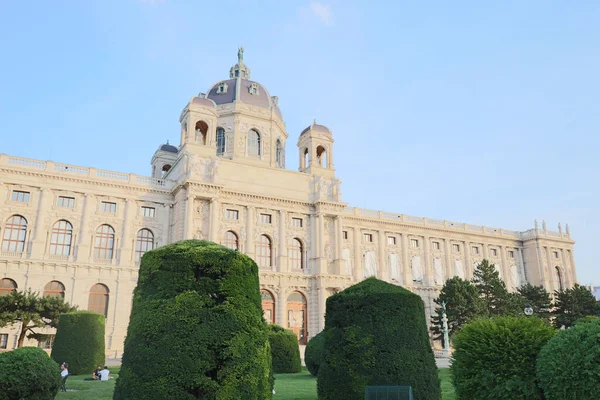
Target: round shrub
<point x="79" y="341"/>
<point x="568" y="367"/>
<point x="495" y="358"/>
<point x="285" y="351"/>
<point x="28" y="373"/>
<point x="196" y="329"/>
<point x="376" y="334"/>
<point x="313" y="354"/>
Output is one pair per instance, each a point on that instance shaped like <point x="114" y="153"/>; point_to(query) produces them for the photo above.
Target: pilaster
<point x="126" y="250"/>
<point x="38" y="241"/>
<point x="429" y="276"/>
<point x="83" y="245"/>
<point x="282" y="260"/>
<point x="450" y="273"/>
<point x="250" y="251"/>
<point x="359" y="268"/>
<point x="189" y="216"/>
<point x="215" y="207"/>
<point x="406" y="271"/>
<point x="468" y="264"/>
<point x="383" y="273"/>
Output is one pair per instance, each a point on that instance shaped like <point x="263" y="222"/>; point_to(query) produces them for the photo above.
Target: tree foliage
<point x="313" y="354"/>
<point x="32" y="311"/>
<point x="196" y="329"/>
<point x="539" y="300"/>
<point x="376" y="334"/>
<point x="495" y="358"/>
<point x="285" y="352"/>
<point x="573" y="304"/>
<point x="462" y="305"/>
<point x="494" y="298"/>
<point x="79" y="341"/>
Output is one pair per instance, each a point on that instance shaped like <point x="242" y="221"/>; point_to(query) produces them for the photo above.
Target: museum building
<point x="79" y="232"/>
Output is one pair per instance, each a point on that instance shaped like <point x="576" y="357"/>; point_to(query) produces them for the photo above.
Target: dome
<point x="317" y="128"/>
<point x="201" y="101"/>
<point x="168" y="148"/>
<point x="240" y="88"/>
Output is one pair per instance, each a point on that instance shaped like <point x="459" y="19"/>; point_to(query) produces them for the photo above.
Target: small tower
<point x="198" y="126"/>
<point x="163" y="159"/>
<point x="315" y="147"/>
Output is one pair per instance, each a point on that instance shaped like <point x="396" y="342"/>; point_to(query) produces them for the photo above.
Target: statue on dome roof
<point x="240" y="53"/>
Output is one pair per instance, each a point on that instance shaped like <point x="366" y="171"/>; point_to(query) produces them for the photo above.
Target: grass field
<point x="301" y="386"/>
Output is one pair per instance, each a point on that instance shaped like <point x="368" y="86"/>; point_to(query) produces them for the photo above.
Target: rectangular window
<point x="494" y="252"/>
<point x="436" y="245"/>
<point x="297" y="222"/>
<point x="46" y="343"/>
<point x="414" y="243"/>
<point x="511" y="254"/>
<point x="20" y="197"/>
<point x="345" y="235"/>
<point x="475" y="250"/>
<point x="66" y="202"/>
<point x="232" y="214"/>
<point x="148" y="212"/>
<point x="108" y="207"/>
<point x="456" y="248"/>
<point x="265" y="218"/>
<point x="556" y="254"/>
<point x="391" y="240"/>
<point x="3" y="340"/>
<point x="368" y="237"/>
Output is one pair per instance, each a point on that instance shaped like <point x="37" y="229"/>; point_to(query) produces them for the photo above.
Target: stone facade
<point x="226" y="182"/>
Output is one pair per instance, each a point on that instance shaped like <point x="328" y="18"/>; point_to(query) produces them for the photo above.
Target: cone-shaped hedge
<point x="28" y="373"/>
<point x="79" y="341"/>
<point x="376" y="334"/>
<point x="284" y="350"/>
<point x="196" y="329"/>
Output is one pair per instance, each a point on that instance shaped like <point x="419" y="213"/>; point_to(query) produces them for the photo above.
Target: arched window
<point x="253" y="143"/>
<point x="231" y="241"/>
<point x="7" y="286"/>
<point x="14" y="234"/>
<point x="322" y="156"/>
<point x="105" y="243"/>
<point x="60" y="241"/>
<point x="559" y="278"/>
<point x="296" y="316"/>
<point x="201" y="131"/>
<point x="296" y="255"/>
<point x="268" y="306"/>
<point x="305" y="158"/>
<point x="165" y="169"/>
<point x="264" y="251"/>
<point x="220" y="140"/>
<point x="144" y="242"/>
<point x="98" y="300"/>
<point x="54" y="289"/>
<point x="279" y="154"/>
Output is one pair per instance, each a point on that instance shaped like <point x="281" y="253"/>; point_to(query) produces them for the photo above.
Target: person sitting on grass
<point x="95" y="374"/>
<point x="104" y="374"/>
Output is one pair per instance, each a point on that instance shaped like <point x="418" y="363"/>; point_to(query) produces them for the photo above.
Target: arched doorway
<point x="297" y="316"/>
<point x="268" y="306"/>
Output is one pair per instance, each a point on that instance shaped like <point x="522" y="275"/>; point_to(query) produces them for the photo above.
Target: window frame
<point x="436" y="245"/>
<point x="253" y="143"/>
<point x="391" y="240"/>
<point x="297" y="222"/>
<point x="296" y="255"/>
<point x="105" y="294"/>
<point x="367" y="237"/>
<point x="14" y="236"/>
<point x="3" y="341"/>
<point x="144" y="242"/>
<point x="102" y="238"/>
<point x="231" y="213"/>
<point x="110" y="205"/>
<point x="143" y="210"/>
<point x="61" y="237"/>
<point x="233" y="242"/>
<point x="264" y="251"/>
<point x="60" y="202"/>
<point x="266" y="219"/>
<point x="414" y="243"/>
<point x="20" y="196"/>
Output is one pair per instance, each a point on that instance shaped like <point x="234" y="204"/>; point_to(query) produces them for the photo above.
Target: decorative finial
<point x="543" y="224"/>
<point x="314" y="121"/>
<point x="559" y="228"/>
<point x="567" y="229"/>
<point x="240" y="54"/>
<point x="535" y="221"/>
<point x="167" y="141"/>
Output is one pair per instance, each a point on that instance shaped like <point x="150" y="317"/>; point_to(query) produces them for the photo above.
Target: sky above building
<point x="477" y="112"/>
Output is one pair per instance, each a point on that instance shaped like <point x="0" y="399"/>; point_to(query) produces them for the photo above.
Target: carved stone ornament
<point x="328" y="251"/>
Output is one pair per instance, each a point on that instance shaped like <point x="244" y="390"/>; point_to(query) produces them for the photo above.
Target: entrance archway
<point x="268" y="306"/>
<point x="297" y="316"/>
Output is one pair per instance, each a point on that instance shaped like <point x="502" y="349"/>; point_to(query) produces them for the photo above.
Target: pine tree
<point x="573" y="304"/>
<point x="495" y="299"/>
<point x="462" y="305"/>
<point x="539" y="300"/>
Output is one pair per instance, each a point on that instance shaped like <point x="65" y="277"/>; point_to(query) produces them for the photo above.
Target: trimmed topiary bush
<point x="568" y="367"/>
<point x="196" y="329"/>
<point x="79" y="341"/>
<point x="28" y="373"/>
<point x="495" y="358"/>
<point x="285" y="351"/>
<point x="313" y="354"/>
<point x="376" y="334"/>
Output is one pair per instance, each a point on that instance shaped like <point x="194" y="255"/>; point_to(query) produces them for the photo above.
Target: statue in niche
<point x="438" y="271"/>
<point x="417" y="269"/>
<point x="394" y="266"/>
<point x="328" y="252"/>
<point x="458" y="269"/>
<point x="199" y="235"/>
<point x="515" y="276"/>
<point x="370" y="264"/>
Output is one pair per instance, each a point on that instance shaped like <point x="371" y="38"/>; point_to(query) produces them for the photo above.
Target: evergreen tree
<point x="462" y="305"/>
<point x="573" y="304"/>
<point x="493" y="295"/>
<point x="539" y="300"/>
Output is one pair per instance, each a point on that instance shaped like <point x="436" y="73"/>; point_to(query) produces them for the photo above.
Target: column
<point x="449" y="263"/>
<point x="573" y="269"/>
<point x="214" y="220"/>
<point x="125" y="253"/>
<point x="384" y="272"/>
<point x="428" y="278"/>
<point x="469" y="265"/>
<point x="250" y="250"/>
<point x="406" y="271"/>
<point x="281" y="306"/>
<point x="521" y="266"/>
<point x="38" y="242"/>
<point x="321" y="261"/>
<point x="189" y="216"/>
<point x="550" y="268"/>
<point x="486" y="251"/>
<point x="359" y="271"/>
<point x="83" y="245"/>
<point x="166" y="226"/>
<point x="322" y="295"/>
<point x="340" y="263"/>
<point x="566" y="269"/>
<point x="506" y="274"/>
<point x="282" y="260"/>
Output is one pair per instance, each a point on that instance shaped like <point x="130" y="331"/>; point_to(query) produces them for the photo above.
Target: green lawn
<point x="301" y="386"/>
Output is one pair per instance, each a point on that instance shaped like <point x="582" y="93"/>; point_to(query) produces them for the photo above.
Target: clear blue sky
<point x="478" y="112"/>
